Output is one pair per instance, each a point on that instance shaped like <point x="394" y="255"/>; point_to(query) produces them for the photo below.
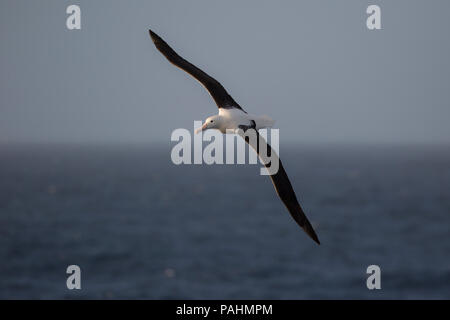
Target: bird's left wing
<point x="217" y="91"/>
<point x="282" y="185"/>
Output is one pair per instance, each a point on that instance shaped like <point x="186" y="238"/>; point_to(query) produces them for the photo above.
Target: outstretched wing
<point x="217" y="91"/>
<point x="283" y="186"/>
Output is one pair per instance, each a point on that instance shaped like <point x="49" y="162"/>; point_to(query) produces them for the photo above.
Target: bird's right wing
<point x="283" y="186"/>
<point x="217" y="91"/>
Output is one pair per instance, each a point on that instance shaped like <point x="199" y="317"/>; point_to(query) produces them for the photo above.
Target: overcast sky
<point x="311" y="65"/>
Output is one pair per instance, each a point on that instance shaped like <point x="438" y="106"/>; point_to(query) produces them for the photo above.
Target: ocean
<point x="140" y="227"/>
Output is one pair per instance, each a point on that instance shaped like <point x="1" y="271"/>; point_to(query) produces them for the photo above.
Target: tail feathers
<point x="264" y="122"/>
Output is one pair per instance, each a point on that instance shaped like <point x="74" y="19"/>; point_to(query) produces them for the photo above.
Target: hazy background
<point x="86" y="176"/>
<point x="312" y="65"/>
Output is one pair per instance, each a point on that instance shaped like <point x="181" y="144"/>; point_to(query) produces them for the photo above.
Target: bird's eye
<point x="211" y="121"/>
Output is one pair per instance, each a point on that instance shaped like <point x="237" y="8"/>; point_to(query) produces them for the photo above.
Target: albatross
<point x="231" y="116"/>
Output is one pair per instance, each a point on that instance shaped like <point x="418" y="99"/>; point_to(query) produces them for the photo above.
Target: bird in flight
<point x="231" y="117"/>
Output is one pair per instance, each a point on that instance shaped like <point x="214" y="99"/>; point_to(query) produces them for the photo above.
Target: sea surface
<point x="140" y="227"/>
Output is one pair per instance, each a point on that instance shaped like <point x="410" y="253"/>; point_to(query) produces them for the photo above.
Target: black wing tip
<point x="160" y="44"/>
<point x="153" y="35"/>
<point x="313" y="236"/>
<point x="157" y="40"/>
<point x="316" y="239"/>
<point x="310" y="232"/>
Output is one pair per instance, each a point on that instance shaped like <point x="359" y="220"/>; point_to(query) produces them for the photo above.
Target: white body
<point x="232" y="119"/>
<point x="235" y="117"/>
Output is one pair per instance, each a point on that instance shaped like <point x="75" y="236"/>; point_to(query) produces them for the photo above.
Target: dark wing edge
<point x="216" y="90"/>
<point x="284" y="189"/>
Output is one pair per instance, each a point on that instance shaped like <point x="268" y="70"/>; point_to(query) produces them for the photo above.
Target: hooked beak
<point x="202" y="128"/>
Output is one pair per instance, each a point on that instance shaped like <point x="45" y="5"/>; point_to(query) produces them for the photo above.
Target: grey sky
<point x="311" y="65"/>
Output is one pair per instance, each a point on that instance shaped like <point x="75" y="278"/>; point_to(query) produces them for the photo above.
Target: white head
<point x="213" y="122"/>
